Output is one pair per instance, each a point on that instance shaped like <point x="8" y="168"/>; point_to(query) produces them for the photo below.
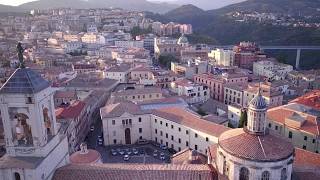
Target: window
<point x="172" y="138"/>
<point x="166" y="124"/>
<point x="195" y="135"/>
<point x="290" y="134"/>
<point x="179" y="140"/>
<point x="171" y="126"/>
<point x="207" y="139"/>
<point x="140" y="119"/>
<point x="156" y="131"/>
<point x="167" y="144"/>
<point x="114" y="141"/>
<point x="305" y="138"/>
<point x="140" y="130"/>
<point x="179" y="148"/>
<point x="161" y="133"/>
<point x="113" y="122"/>
<point x="187" y="132"/>
<point x="304" y="147"/>
<point x="284" y="174"/>
<point x="187" y="143"/>
<point x="179" y="129"/>
<point x="244" y="174"/>
<point x="156" y="139"/>
<point x="130" y="121"/>
<point x="172" y="146"/>
<point x="276" y="127"/>
<point x="140" y="137"/>
<point x="161" y="122"/>
<point x="196" y="147"/>
<point x="265" y="175"/>
<point x="313" y="141"/>
<point x="123" y="122"/>
<point x="269" y="125"/>
<point x="155" y="120"/>
<point x="166" y="135"/>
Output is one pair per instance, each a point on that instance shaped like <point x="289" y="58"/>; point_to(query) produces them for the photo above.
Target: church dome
<point x="258" y="102"/>
<point x="85" y="156"/>
<point x="261" y="148"/>
<point x="183" y="40"/>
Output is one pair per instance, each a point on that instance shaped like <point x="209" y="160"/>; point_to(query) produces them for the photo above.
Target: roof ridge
<point x="32" y="89"/>
<point x="264" y="153"/>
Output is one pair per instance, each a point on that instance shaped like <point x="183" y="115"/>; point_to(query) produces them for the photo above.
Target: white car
<point x="92" y="128"/>
<point x="126" y="157"/>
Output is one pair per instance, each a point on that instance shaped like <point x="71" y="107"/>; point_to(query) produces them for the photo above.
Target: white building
<point x="129" y="44"/>
<point x="193" y="93"/>
<point x="72" y="46"/>
<point x="253" y="153"/>
<point x="271" y="70"/>
<point x="119" y="73"/>
<point x="34" y="146"/>
<point x="222" y="57"/>
<point x="177" y="128"/>
<point x="90" y="38"/>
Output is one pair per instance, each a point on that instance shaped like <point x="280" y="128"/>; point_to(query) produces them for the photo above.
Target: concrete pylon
<point x="298" y="58"/>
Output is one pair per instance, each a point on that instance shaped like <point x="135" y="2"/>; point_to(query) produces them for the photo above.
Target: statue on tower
<point x="20" y="51"/>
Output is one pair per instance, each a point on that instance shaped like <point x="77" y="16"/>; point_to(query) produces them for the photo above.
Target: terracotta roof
<point x="184" y="157"/>
<point x="279" y="115"/>
<point x="92" y="156"/>
<point x="72" y="111"/>
<point x="311" y="99"/>
<point x="267" y="148"/>
<point x="138" y="91"/>
<point x="184" y="117"/>
<point x="117" y="109"/>
<point x="8" y="162"/>
<point x="306" y="165"/>
<point x="135" y="172"/>
<point x="65" y="94"/>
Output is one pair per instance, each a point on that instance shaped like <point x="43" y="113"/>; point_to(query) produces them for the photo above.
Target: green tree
<point x="165" y="60"/>
<point x="136" y="31"/>
<point x="201" y="112"/>
<point x="243" y="119"/>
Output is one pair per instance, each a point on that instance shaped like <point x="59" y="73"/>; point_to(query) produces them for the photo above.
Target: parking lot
<point x="134" y="154"/>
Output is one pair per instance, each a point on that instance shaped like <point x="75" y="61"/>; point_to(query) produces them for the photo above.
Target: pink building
<point x="216" y="83"/>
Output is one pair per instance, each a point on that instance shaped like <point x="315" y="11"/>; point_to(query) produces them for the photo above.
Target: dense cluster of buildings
<point x="232" y="114"/>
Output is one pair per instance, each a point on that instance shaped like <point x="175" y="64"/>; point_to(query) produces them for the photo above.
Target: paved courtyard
<point x="144" y="154"/>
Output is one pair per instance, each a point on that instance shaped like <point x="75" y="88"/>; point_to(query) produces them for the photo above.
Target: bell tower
<point x="35" y="148"/>
<point x="257" y="115"/>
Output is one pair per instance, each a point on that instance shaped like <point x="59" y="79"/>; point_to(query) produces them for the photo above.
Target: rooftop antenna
<point x="20" y="51"/>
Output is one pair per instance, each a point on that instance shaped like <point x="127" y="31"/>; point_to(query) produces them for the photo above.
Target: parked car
<point x="92" y="128"/>
<point x="114" y="152"/>
<point x="121" y="152"/>
<point x="142" y="141"/>
<point x="172" y="151"/>
<point x="163" y="147"/>
<point x="135" y="151"/>
<point x="126" y="157"/>
<point x="162" y="156"/>
<point x="155" y="153"/>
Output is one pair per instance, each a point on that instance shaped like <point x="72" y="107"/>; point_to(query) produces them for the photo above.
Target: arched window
<point x="244" y="174"/>
<point x="17" y="176"/>
<point x="284" y="174"/>
<point x="265" y="175"/>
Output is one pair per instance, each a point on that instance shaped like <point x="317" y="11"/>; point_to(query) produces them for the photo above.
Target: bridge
<point x="297" y="48"/>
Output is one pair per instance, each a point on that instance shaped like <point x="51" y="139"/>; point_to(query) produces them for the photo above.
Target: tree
<point x="201" y="112"/>
<point x="165" y="60"/>
<point x="243" y="119"/>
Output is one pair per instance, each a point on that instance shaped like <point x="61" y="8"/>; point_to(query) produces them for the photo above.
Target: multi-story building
<point x="119" y="73"/>
<point x="222" y="57"/>
<point x="193" y="52"/>
<point x="233" y="93"/>
<point x="297" y="122"/>
<point x="271" y="70"/>
<point x="129" y="44"/>
<point x="272" y="96"/>
<point x="216" y="83"/>
<point x="138" y="94"/>
<point x="177" y="128"/>
<point x="192" y="92"/>
<point x="166" y="46"/>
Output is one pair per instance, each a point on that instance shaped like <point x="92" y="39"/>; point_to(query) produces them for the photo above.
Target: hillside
<point x="208" y="4"/>
<point x="139" y="5"/>
<point x="5" y="9"/>
<point x="184" y="12"/>
<point x="292" y="7"/>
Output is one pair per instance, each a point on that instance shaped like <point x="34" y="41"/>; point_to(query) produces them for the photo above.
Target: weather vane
<point x="20" y="55"/>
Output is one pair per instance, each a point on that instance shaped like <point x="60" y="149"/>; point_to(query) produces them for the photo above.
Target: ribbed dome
<point x="258" y="102"/>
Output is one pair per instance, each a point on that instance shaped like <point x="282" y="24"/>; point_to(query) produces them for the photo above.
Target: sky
<point x="14" y="2"/>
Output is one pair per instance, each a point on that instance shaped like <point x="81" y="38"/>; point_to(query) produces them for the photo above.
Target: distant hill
<point x="184" y="12"/>
<point x="292" y="7"/>
<point x="5" y="9"/>
<point x="139" y="5"/>
<point x="208" y="4"/>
